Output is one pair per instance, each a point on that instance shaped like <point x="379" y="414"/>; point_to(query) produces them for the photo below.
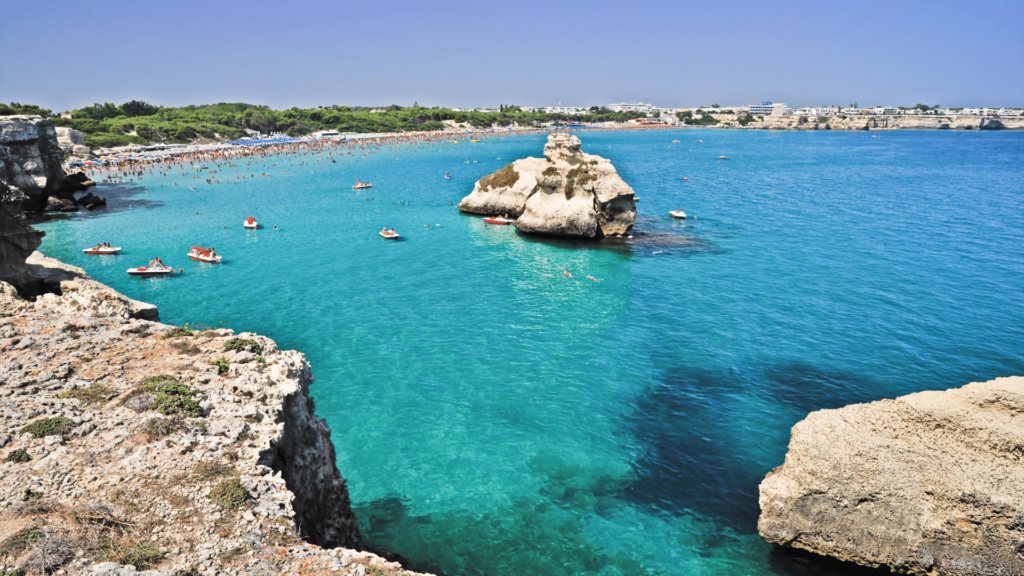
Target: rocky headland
<point x="930" y="483"/>
<point x="127" y="445"/>
<point x="30" y="161"/>
<point x="566" y="193"/>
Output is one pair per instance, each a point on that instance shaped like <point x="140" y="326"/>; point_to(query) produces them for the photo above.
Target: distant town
<point x="761" y="109"/>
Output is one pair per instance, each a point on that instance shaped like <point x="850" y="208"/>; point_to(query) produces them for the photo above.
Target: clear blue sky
<point x="65" y="55"/>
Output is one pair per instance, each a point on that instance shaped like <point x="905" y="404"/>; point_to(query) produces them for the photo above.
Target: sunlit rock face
<point x="566" y="193"/>
<point x="931" y="483"/>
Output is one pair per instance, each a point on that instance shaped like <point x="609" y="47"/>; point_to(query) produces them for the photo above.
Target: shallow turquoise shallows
<point x="493" y="416"/>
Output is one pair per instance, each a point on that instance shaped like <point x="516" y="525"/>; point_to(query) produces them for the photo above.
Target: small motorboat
<point x="390" y="235"/>
<point x="203" y="255"/>
<point x="157" y="270"/>
<point x="678" y="214"/>
<point x="250" y="222"/>
<point x="362" y="185"/>
<point x="675" y="141"/>
<point x="722" y="158"/>
<point x="497" y="220"/>
<point x="102" y="250"/>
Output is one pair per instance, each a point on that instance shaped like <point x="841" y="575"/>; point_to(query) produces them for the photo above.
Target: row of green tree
<point x="107" y="125"/>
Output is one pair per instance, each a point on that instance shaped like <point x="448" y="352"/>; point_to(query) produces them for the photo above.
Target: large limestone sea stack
<point x="566" y="193"/>
<point x="931" y="483"/>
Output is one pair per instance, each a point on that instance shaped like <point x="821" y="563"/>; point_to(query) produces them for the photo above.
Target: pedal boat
<point x="678" y="214"/>
<point x="154" y="271"/>
<point x="250" y="222"/>
<point x="203" y="255"/>
<point x="362" y="186"/>
<point x="103" y="250"/>
<point x="394" y="236"/>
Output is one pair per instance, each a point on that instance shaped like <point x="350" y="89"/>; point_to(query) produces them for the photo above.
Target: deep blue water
<point x="493" y="416"/>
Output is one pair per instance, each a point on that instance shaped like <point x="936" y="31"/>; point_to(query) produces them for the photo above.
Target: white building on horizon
<point x="641" y="107"/>
<point x="569" y="110"/>
<point x="768" y="109"/>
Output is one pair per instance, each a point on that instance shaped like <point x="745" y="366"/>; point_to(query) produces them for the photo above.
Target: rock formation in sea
<point x="30" y="160"/>
<point x="930" y="483"/>
<point x="566" y="193"/>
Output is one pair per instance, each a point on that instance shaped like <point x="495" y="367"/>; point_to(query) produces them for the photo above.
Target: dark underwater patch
<point x="705" y="447"/>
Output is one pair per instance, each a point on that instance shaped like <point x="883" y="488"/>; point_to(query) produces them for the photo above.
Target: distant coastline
<point x="872" y="122"/>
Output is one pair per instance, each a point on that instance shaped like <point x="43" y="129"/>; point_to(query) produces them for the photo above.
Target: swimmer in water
<point x="592" y="278"/>
<point x="566" y="273"/>
<point x="275" y="227"/>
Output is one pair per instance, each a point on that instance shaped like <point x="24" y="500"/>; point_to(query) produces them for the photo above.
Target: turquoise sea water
<point x="493" y="416"/>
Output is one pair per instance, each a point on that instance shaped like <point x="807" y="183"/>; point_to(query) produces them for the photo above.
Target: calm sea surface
<point x="493" y="416"/>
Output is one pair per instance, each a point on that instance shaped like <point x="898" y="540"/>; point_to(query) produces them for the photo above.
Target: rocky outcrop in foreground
<point x="17" y="239"/>
<point x="566" y="193"/>
<point x="30" y="160"/>
<point x="930" y="483"/>
<point x="127" y="445"/>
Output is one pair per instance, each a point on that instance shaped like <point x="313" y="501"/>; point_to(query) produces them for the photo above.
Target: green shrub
<point x="744" y="120"/>
<point x="18" y="455"/>
<point x="20" y="541"/>
<point x="175" y="397"/>
<point x="178" y="332"/>
<point x="504" y="178"/>
<point x="124" y="548"/>
<point x="156" y="382"/>
<point x="261" y="361"/>
<point x="230" y="494"/>
<point x="221" y="364"/>
<point x="149" y="385"/>
<point x="48" y="427"/>
<point x="237" y="343"/>
<point x="94" y="394"/>
<point x="109" y="140"/>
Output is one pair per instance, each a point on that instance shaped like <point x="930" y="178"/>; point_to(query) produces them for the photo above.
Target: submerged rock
<point x="567" y="193"/>
<point x="930" y="483"/>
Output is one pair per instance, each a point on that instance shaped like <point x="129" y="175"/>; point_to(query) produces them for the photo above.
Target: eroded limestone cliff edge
<point x="930" y="483"/>
<point x="566" y="193"/>
<point x="123" y="448"/>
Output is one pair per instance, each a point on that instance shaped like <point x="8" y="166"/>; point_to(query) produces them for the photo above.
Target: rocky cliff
<point x="127" y="445"/>
<point x="931" y="483"/>
<point x="566" y="193"/>
<point x="30" y="160"/>
<point x="17" y="240"/>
